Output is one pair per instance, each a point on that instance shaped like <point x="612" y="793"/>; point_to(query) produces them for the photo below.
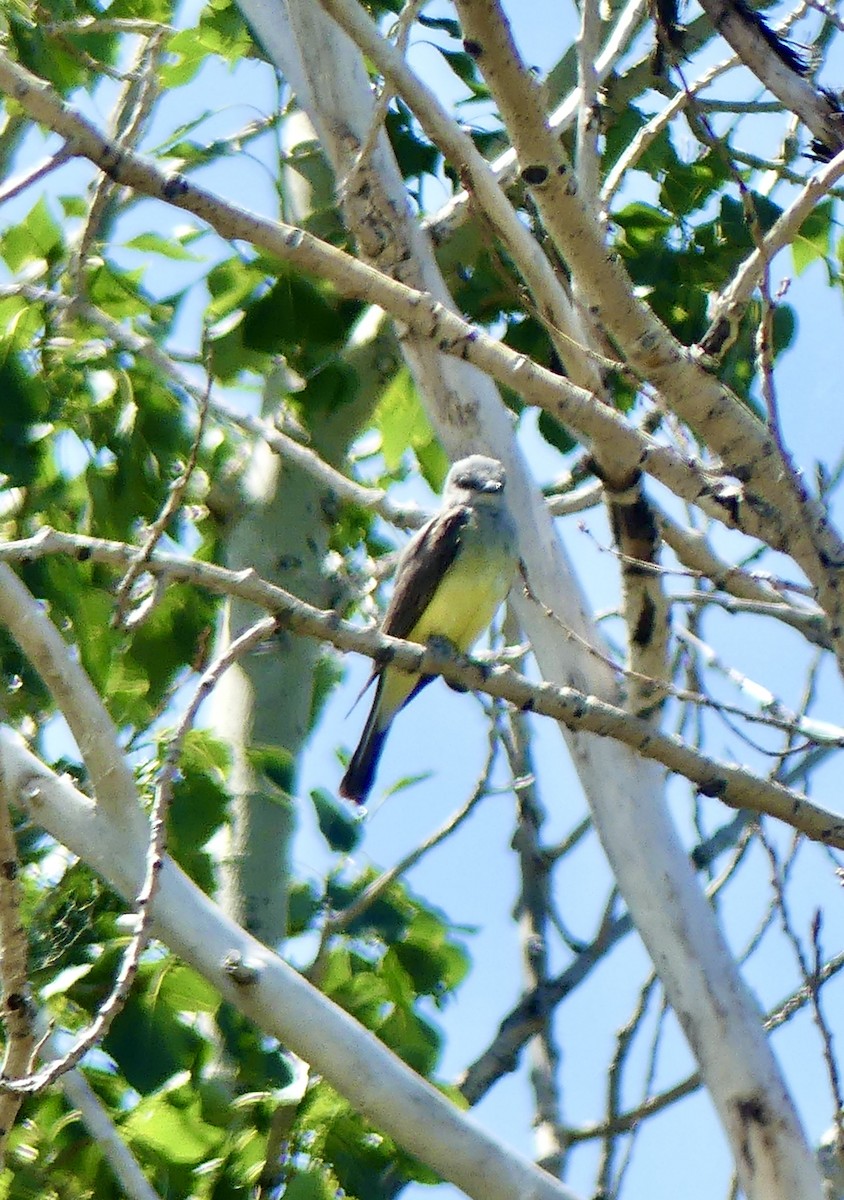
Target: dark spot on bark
<point x="10" y="869"/>
<point x="715" y="337"/>
<point x="713" y="787"/>
<point x="752" y="1109"/>
<point x="730" y="505"/>
<point x="644" y="628"/>
<point x="15" y="1001"/>
<point x="175" y="186"/>
<point x="535" y="174"/>
<point x="635" y="523"/>
<point x="83" y="553"/>
<point x="562" y="169"/>
<point x="528" y="706"/>
<point x="473" y="49"/>
<point x="831" y="564"/>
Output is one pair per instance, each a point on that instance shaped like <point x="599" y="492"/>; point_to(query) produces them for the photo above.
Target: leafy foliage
<point x="93" y="437"/>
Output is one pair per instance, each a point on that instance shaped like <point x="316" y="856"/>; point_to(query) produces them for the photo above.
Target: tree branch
<point x="421" y="313"/>
<point x="734" y="785"/>
<point x="275" y="996"/>
<point x="77" y="698"/>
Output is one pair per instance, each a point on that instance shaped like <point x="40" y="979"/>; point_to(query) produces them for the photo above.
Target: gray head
<point x="474" y="478"/>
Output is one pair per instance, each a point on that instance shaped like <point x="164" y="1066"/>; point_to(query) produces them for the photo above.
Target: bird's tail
<point x="357" y="782"/>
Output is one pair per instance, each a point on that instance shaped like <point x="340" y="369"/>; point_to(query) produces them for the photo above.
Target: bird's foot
<point x="445" y="646"/>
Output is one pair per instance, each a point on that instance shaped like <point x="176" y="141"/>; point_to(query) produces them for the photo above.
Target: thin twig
<point x="336" y="922"/>
<point x="15" y="186"/>
<point x="402" y="28"/>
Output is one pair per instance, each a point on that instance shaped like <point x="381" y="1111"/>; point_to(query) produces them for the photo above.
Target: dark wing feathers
<point x="425" y="560"/>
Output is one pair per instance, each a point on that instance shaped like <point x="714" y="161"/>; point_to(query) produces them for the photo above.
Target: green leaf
<point x="310" y="1185"/>
<point x="303" y="906"/>
<point x="338" y="825"/>
<point x="463" y="66"/>
<point x="295" y="312"/>
<point x="37" y="236"/>
<point x="432" y="968"/>
<point x="185" y="990"/>
<point x="686" y="187"/>
<point x="168" y="247"/>
<point x="452" y="28"/>
<point x="814" y="238"/>
<point x="276" y="764"/>
<point x="388" y="916"/>
<point x="414" y="1040"/>
<point x="186" y="54"/>
<point x="174" y="1130"/>
<point x="401" y="420"/>
<point x="148" y="1039"/>
<point x="73" y="206"/>
<point x="555" y="434"/>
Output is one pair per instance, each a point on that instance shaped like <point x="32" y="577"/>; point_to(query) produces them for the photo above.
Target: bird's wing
<point x="426" y="558"/>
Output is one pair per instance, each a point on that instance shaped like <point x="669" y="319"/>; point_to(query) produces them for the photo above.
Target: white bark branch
<point x="275" y="996"/>
<point x="797" y="94"/>
<point x="76" y="697"/>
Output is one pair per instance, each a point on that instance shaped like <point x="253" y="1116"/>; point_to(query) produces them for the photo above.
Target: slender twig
<point x="15" y="186"/>
<point x="728" y="307"/>
<point x="533" y="912"/>
<point x="386" y="94"/>
<point x="604" y="1183"/>
<point x="336" y="922"/>
<point x="823" y="1027"/>
<point x="655" y="1104"/>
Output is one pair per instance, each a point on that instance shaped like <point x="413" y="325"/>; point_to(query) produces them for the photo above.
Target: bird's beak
<point x="493" y="486"/>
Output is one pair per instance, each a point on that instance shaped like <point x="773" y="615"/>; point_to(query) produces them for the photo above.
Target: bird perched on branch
<point x="452" y="576"/>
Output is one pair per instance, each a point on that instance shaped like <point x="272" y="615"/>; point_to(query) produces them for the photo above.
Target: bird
<point x="451" y="578"/>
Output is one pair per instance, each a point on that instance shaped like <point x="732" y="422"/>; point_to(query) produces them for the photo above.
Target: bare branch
<point x="732" y="784"/>
<point x="75" y="695"/>
<point x="756" y="51"/>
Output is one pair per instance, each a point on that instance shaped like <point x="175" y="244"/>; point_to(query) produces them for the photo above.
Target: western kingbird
<point x="452" y="576"/>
